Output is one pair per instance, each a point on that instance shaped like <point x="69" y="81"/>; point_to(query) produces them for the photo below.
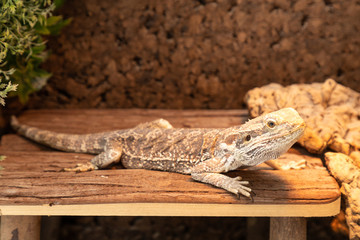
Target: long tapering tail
<point x="82" y="143"/>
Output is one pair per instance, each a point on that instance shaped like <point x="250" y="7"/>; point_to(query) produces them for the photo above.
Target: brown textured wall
<point x="197" y="54"/>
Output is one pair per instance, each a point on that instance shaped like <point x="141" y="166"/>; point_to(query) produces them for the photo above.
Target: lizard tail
<point x="82" y="143"/>
<point x="14" y="123"/>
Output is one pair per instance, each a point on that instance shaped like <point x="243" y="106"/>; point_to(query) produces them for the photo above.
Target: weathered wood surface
<point x="32" y="174"/>
<point x="43" y="183"/>
<point x="98" y="120"/>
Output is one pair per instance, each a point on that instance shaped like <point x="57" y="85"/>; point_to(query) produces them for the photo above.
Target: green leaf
<point x="38" y="49"/>
<point x="59" y="3"/>
<point x="4" y="92"/>
<point x="53" y="20"/>
<point x="42" y="30"/>
<point x="55" y="29"/>
<point x="25" y="90"/>
<point x="11" y="87"/>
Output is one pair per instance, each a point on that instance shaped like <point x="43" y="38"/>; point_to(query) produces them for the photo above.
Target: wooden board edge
<point x="176" y="209"/>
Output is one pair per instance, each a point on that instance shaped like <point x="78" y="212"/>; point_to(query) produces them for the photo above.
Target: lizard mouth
<point x="289" y="138"/>
<point x="299" y="130"/>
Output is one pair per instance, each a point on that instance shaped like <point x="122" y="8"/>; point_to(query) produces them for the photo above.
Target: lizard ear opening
<point x="248" y="138"/>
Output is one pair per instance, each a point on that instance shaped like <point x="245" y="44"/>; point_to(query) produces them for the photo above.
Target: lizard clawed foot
<point x="238" y="187"/>
<point x="233" y="185"/>
<point x="81" y="167"/>
<point x="252" y="194"/>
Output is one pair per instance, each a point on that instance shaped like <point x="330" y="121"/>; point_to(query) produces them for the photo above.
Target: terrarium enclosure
<point x="205" y="54"/>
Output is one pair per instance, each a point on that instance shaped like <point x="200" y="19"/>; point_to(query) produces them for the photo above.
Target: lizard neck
<point x="226" y="150"/>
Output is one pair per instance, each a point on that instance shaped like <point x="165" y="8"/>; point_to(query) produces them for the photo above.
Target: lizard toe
<point x="81" y="167"/>
<point x="238" y="187"/>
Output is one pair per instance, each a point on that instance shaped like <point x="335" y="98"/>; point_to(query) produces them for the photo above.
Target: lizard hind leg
<point x="111" y="155"/>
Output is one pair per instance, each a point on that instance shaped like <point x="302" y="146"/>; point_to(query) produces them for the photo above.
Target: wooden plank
<point x="36" y="177"/>
<point x="284" y="228"/>
<point x="14" y="142"/>
<point x="20" y="227"/>
<point x="177" y="209"/>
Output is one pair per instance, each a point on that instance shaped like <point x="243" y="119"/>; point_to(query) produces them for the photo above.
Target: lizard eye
<point x="247" y="138"/>
<point x="271" y="124"/>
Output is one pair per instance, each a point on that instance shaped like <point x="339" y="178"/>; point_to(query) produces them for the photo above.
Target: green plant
<point x="23" y="23"/>
<point x="5" y="88"/>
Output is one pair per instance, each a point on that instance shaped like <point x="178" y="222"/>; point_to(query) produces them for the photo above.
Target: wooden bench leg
<point x="284" y="228"/>
<point x="20" y="227"/>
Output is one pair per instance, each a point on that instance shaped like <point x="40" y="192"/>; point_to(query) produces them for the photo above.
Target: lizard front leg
<point x="233" y="185"/>
<point x="209" y="172"/>
<point x="111" y="155"/>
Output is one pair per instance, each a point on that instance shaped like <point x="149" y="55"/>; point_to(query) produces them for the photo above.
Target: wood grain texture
<point x="20" y="227"/>
<point x="32" y="174"/>
<point x="44" y="183"/>
<point x="284" y="228"/>
<point x="99" y="120"/>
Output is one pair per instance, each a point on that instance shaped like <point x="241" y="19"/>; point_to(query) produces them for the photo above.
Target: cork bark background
<point x="196" y="54"/>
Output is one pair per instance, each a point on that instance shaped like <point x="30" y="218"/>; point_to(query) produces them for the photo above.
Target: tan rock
<point x="342" y="168"/>
<point x="330" y="111"/>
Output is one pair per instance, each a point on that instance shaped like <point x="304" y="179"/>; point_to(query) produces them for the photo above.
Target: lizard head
<point x="265" y="137"/>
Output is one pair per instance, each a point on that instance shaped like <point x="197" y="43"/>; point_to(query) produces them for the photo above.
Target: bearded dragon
<point x="203" y="153"/>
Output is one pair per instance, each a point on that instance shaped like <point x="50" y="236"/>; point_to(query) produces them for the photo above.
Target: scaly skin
<point x="204" y="153"/>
